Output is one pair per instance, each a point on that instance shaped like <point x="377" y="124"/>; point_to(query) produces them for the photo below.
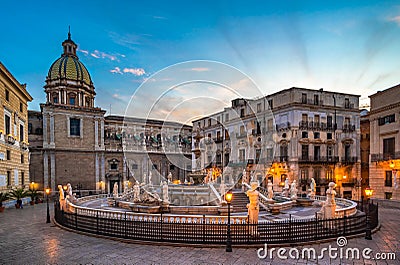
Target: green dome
<point x="69" y="67"/>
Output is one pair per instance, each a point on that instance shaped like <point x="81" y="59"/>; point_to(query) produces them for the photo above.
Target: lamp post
<point x="368" y="194"/>
<point x="228" y="199"/>
<point x="47" y="190"/>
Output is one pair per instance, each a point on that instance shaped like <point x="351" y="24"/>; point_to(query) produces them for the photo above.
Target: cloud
<point x="103" y="55"/>
<point x="135" y="71"/>
<point x="159" y="17"/>
<point x="83" y="51"/>
<point x="199" y="69"/>
<point x="116" y="70"/>
<point x="95" y="55"/>
<point x="395" y="19"/>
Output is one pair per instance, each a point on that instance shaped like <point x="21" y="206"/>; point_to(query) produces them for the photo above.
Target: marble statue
<point x="312" y="189"/>
<point x="69" y="190"/>
<point x="222" y="191"/>
<point x="144" y="178"/>
<point x="169" y="177"/>
<point x="165" y="192"/>
<point x="150" y="178"/>
<point x="328" y="209"/>
<point x="286" y="188"/>
<point x="269" y="189"/>
<point x="126" y="186"/>
<point x="191" y="180"/>
<point x="253" y="207"/>
<point x="62" y="198"/>
<point x="136" y="192"/>
<point x="115" y="190"/>
<point x="293" y="190"/>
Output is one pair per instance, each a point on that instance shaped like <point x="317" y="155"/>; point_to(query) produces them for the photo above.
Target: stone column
<point x="96" y="134"/>
<point x="97" y="169"/>
<point x="52" y="129"/>
<point x="102" y="133"/>
<point x="103" y="169"/>
<point x="52" y="171"/>
<point x="45" y="170"/>
<point x="45" y="141"/>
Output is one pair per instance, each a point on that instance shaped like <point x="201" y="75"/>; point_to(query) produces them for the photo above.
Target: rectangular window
<point x="258" y="155"/>
<point x="209" y="122"/>
<point x="386" y="120"/>
<point x="388" y="147"/>
<point x="316" y="135"/>
<point x="242" y="155"/>
<point x="329" y="136"/>
<point x="259" y="107"/>
<point x="317" y="153"/>
<point x="21" y="107"/>
<point x="134" y="166"/>
<point x="270" y="104"/>
<point x="7" y="121"/>
<point x="21" y="132"/>
<point x="22" y="178"/>
<point x="241" y="113"/>
<point x="55" y="100"/>
<point x="72" y="101"/>
<point x="317" y="175"/>
<point x="304" y="98"/>
<point x="316" y="118"/>
<point x="219" y="136"/>
<point x="270" y="153"/>
<point x="8" y="178"/>
<point x="388" y="178"/>
<point x="329" y="121"/>
<point x="304" y="152"/>
<point x="304" y="117"/>
<point x="329" y="152"/>
<point x="316" y="100"/>
<point x="218" y="158"/>
<point x="270" y="124"/>
<point x="171" y="167"/>
<point x="241" y="130"/>
<point x="226" y="117"/>
<point x="29" y="128"/>
<point x="7" y="95"/>
<point x="388" y="195"/>
<point x="304" y="174"/>
<point x="8" y="155"/>
<point x="329" y="175"/>
<point x="22" y="159"/>
<point x="74" y="127"/>
<point x="346" y="103"/>
<point x="226" y="159"/>
<point x="304" y="134"/>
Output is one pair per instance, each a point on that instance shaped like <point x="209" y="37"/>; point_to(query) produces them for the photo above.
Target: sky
<point x="137" y="50"/>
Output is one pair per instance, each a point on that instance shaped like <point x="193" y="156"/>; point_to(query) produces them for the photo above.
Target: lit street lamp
<point x="228" y="199"/>
<point x="368" y="194"/>
<point x="47" y="190"/>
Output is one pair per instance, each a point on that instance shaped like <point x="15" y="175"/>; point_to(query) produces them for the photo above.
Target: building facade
<point x="72" y="141"/>
<point x="296" y="133"/>
<point x="384" y="143"/>
<point x="14" y="152"/>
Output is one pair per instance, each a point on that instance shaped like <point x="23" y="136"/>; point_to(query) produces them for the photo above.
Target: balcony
<point x="347" y="128"/>
<point x="319" y="160"/>
<point x="316" y="126"/>
<point x="283" y="159"/>
<point x="384" y="156"/>
<point x="218" y="140"/>
<point x="310" y="101"/>
<point x="10" y="139"/>
<point x="349" y="160"/>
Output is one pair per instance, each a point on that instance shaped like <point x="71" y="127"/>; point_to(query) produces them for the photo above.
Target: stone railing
<point x="347" y="207"/>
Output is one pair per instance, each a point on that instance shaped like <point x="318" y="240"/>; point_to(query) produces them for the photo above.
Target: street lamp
<point x="228" y="199"/>
<point x="47" y="190"/>
<point x="368" y="194"/>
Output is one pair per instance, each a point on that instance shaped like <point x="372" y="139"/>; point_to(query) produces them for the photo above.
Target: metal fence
<point x="163" y="230"/>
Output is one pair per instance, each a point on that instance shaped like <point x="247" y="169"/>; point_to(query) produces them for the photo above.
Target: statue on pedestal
<point x="136" y="192"/>
<point x="293" y="190"/>
<point x="115" y="190"/>
<point x="169" y="177"/>
<point x="328" y="209"/>
<point x="286" y="188"/>
<point x="312" y="189"/>
<point x="253" y="207"/>
<point x="62" y="198"/>
<point x="165" y="192"/>
<point x="150" y="178"/>
<point x="270" y="190"/>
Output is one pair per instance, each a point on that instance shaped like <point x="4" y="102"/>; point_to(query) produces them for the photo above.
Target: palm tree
<point x="33" y="194"/>
<point x="18" y="194"/>
<point x="3" y="197"/>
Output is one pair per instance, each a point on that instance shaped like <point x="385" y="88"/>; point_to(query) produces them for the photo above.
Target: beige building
<point x="14" y="152"/>
<point x="296" y="133"/>
<point x="384" y="164"/>
<point x="72" y="141"/>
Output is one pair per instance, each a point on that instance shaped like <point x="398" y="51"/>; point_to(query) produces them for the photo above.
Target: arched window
<point x="72" y="99"/>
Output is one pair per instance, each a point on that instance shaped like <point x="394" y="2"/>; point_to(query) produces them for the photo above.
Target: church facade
<point x="73" y="142"/>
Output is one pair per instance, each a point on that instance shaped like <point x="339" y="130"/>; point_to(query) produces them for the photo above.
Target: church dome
<point x="68" y="65"/>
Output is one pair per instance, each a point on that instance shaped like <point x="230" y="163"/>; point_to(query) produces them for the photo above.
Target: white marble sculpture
<point x="150" y="178"/>
<point x="136" y="192"/>
<point x="328" y="209"/>
<point x="69" y="190"/>
<point x="165" y="192"/>
<point x="144" y="178"/>
<point x="169" y="177"/>
<point x="126" y="186"/>
<point x="270" y="190"/>
<point x="286" y="188"/>
<point x="62" y="198"/>
<point x="312" y="189"/>
<point x="222" y="191"/>
<point x="115" y="190"/>
<point x="253" y="206"/>
<point x="293" y="190"/>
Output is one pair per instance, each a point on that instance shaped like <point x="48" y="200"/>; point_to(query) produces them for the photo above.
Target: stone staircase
<point x="239" y="201"/>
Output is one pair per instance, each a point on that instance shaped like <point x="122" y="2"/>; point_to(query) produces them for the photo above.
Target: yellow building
<point x="14" y="153"/>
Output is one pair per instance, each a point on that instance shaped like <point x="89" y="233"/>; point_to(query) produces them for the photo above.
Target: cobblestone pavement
<point x="25" y="238"/>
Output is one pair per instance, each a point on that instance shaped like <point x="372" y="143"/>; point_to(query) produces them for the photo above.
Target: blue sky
<point x="346" y="46"/>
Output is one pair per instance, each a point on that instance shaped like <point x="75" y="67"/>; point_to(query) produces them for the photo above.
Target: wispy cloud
<point x="395" y="19"/>
<point x="133" y="71"/>
<point x="116" y="70"/>
<point x="130" y="41"/>
<point x="159" y="17"/>
<point x="103" y="55"/>
<point x="83" y="51"/>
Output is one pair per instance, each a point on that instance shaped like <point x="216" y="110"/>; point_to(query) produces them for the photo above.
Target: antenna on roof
<point x="69" y="32"/>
